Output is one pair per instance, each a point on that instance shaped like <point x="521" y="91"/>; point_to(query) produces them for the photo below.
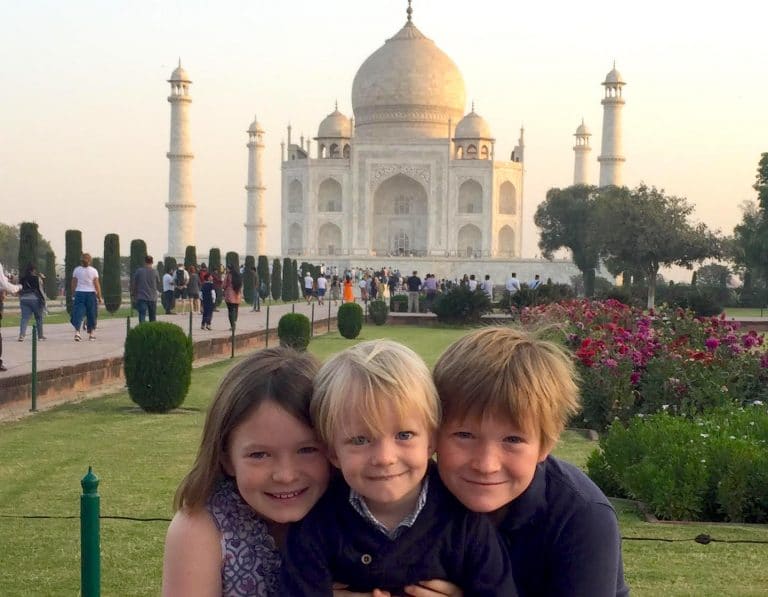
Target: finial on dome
<point x="336" y="105"/>
<point x="409" y="12"/>
<point x="179" y="61"/>
<point x="473" y="106"/>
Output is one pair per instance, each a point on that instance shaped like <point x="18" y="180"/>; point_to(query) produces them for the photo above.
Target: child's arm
<point x="434" y="588"/>
<point x="193" y="559"/>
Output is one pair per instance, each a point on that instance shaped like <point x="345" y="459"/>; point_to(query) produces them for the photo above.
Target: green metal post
<point x="190" y="324"/>
<point x="329" y="316"/>
<point x="266" y="337"/>
<point x="293" y="307"/>
<point x="34" y="369"/>
<point x="90" y="553"/>
<point x="312" y="325"/>
<point x="127" y="325"/>
<point x="232" y="342"/>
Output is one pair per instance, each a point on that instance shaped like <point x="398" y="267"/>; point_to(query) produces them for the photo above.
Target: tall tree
<point x="277" y="279"/>
<point x="138" y="255"/>
<point x="28" y="237"/>
<point x="749" y="246"/>
<point x="249" y="278"/>
<point x="263" y="269"/>
<point x="761" y="182"/>
<point x="73" y="242"/>
<point x="568" y="219"/>
<point x="111" y="281"/>
<point x="9" y="245"/>
<point x="50" y="284"/>
<point x="233" y="259"/>
<point x="190" y="256"/>
<point x="643" y="229"/>
<point x="286" y="282"/>
<point x="295" y="289"/>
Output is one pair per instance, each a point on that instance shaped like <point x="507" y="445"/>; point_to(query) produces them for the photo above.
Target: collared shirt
<point x="513" y="284"/>
<point x="358" y="503"/>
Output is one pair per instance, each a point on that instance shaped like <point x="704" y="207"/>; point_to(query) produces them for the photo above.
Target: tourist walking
<point x="322" y="286"/>
<point x="32" y="302"/>
<point x="335" y="289"/>
<point x="363" y="285"/>
<point x="144" y="290"/>
<point x="207" y="299"/>
<point x="309" y="284"/>
<point x="256" y="289"/>
<point x="232" y="287"/>
<point x="430" y="285"/>
<point x="513" y="284"/>
<point x="86" y="290"/>
<point x="167" y="298"/>
<point x="349" y="292"/>
<point x="180" y="281"/>
<point x="488" y="287"/>
<point x="193" y="289"/>
<point x="535" y="283"/>
<point x="6" y="286"/>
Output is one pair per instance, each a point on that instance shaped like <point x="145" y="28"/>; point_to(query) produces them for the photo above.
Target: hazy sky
<point x="84" y="121"/>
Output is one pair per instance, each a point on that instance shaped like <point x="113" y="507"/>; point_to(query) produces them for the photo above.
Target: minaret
<point x="582" y="151"/>
<point x="612" y="151"/>
<point x="255" y="228"/>
<point x="181" y="204"/>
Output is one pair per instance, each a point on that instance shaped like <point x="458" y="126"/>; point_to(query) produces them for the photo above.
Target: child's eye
<point x="308" y="450"/>
<point x="514" y="439"/>
<point x="404" y="435"/>
<point x="462" y="434"/>
<point x="358" y="440"/>
<point x="258" y="455"/>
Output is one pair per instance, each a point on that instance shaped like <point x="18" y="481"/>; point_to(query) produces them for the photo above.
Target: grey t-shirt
<point x="145" y="284"/>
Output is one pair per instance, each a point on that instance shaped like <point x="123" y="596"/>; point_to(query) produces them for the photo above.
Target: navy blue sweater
<point x="563" y="537"/>
<point x="335" y="544"/>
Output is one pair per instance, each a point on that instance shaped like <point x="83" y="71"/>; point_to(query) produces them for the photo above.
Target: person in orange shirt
<point x="349" y="292"/>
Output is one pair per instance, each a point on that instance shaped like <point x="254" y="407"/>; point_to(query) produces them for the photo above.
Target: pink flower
<point x="712" y="343"/>
<point x="635" y="378"/>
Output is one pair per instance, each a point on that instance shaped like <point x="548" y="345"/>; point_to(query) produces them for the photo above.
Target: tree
<point x="567" y="219"/>
<point x="233" y="259"/>
<point x="249" y="277"/>
<point x="169" y="264"/>
<point x="9" y="245"/>
<point x="761" y="183"/>
<point x="714" y="275"/>
<point x="73" y="242"/>
<point x="51" y="287"/>
<point x="277" y="279"/>
<point x="295" y="292"/>
<point x="286" y="281"/>
<point x="28" y="237"/>
<point x="190" y="256"/>
<point x="643" y="229"/>
<point x="214" y="267"/>
<point x="111" y="285"/>
<point x="263" y="269"/>
<point x="138" y="255"/>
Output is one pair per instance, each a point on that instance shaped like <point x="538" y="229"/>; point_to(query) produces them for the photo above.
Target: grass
<point x="737" y="312"/>
<point x="141" y="458"/>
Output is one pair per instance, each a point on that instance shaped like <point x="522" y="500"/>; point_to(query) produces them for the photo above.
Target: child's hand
<point x="434" y="588"/>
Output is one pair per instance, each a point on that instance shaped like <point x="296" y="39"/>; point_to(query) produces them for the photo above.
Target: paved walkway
<point x="60" y="348"/>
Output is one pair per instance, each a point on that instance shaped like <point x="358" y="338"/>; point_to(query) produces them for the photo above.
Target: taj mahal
<point x="410" y="180"/>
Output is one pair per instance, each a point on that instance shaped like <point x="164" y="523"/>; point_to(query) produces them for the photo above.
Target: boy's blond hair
<point x="364" y="378"/>
<point x="509" y="373"/>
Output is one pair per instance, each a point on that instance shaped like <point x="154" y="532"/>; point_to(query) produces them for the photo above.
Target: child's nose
<point x="383" y="453"/>
<point x="284" y="472"/>
<point x="486" y="460"/>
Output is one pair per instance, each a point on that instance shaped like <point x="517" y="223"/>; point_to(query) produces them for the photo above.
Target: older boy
<point x="506" y="397"/>
<point x="390" y="523"/>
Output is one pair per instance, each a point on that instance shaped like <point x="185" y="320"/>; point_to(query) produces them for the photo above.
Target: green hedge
<point x="73" y="240"/>
<point x="111" y="285"/>
<point x="277" y="279"/>
<point x="294" y="331"/>
<point x="461" y="305"/>
<point x="379" y="311"/>
<point x="350" y="320"/>
<point x="158" y="365"/>
<point x="713" y="467"/>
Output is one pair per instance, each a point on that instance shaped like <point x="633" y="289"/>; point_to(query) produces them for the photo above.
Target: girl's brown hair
<point x="281" y="375"/>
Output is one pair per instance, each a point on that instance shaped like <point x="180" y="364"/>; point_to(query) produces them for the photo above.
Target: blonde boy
<point x="389" y="523"/>
<point x="507" y="396"/>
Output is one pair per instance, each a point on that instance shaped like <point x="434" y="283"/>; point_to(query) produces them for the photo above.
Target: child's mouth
<point x="286" y="495"/>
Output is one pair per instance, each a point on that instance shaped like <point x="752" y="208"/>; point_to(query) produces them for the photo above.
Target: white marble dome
<point x="255" y="127"/>
<point x="407" y="88"/>
<point x="335" y="125"/>
<point x="583" y="130"/>
<point x="614" y="77"/>
<point x="179" y="74"/>
<point x="473" y="126"/>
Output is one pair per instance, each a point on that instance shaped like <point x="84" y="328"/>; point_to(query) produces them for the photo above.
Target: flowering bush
<point x="713" y="467"/>
<point x="631" y="361"/>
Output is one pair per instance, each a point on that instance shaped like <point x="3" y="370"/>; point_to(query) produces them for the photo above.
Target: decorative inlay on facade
<point x="380" y="172"/>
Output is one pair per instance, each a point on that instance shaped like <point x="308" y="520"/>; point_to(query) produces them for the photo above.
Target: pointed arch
<point x="329" y="239"/>
<point x="506" y="242"/>
<point x="295" y="197"/>
<point x="470" y="240"/>
<point x="470" y="197"/>
<point x="329" y="195"/>
<point x="507" y="199"/>
<point x="295" y="235"/>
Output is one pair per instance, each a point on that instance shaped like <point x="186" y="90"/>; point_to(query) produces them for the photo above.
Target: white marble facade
<point x="411" y="175"/>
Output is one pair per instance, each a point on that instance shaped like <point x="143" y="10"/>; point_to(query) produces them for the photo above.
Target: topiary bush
<point x="398" y="303"/>
<point x="461" y="305"/>
<point x="294" y="331"/>
<point x="350" y="320"/>
<point x="158" y="366"/>
<point x="73" y="240"/>
<point x="111" y="285"/>
<point x="378" y="311"/>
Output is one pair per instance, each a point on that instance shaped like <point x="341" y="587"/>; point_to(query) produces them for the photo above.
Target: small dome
<point x="582" y="130"/>
<point x="335" y="125"/>
<point x="255" y="127"/>
<point x="179" y="74"/>
<point x="473" y="126"/>
<point x="614" y="77"/>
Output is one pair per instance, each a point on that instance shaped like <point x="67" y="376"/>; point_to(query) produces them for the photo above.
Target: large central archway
<point x="400" y="217"/>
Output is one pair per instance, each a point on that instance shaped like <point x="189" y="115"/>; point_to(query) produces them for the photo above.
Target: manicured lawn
<point x="141" y="458"/>
<point x="736" y="312"/>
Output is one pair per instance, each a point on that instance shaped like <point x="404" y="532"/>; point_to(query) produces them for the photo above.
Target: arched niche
<point x="459" y="152"/>
<point x="470" y="197"/>
<point x="295" y="238"/>
<point x="346" y="152"/>
<point x="484" y="152"/>
<point x="470" y="240"/>
<point x="506" y="242"/>
<point x="329" y="239"/>
<point x="400" y="205"/>
<point x="507" y="199"/>
<point x="472" y="152"/>
<point x="329" y="196"/>
<point x="295" y="197"/>
<point x="335" y="151"/>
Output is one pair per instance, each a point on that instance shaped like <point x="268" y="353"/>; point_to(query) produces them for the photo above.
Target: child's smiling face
<point x="386" y="467"/>
<point x="487" y="462"/>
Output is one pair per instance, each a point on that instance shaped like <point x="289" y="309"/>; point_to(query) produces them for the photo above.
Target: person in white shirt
<point x="472" y="283"/>
<point x="309" y="284"/>
<point x="167" y="298"/>
<point x="322" y="285"/>
<point x="6" y="286"/>
<point x="513" y="284"/>
<point x="535" y="283"/>
<point x="86" y="291"/>
<point x="488" y="287"/>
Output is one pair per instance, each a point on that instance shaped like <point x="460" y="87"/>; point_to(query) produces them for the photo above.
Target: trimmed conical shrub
<point x="73" y="240"/>
<point x="277" y="279"/>
<point x="110" y="284"/>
